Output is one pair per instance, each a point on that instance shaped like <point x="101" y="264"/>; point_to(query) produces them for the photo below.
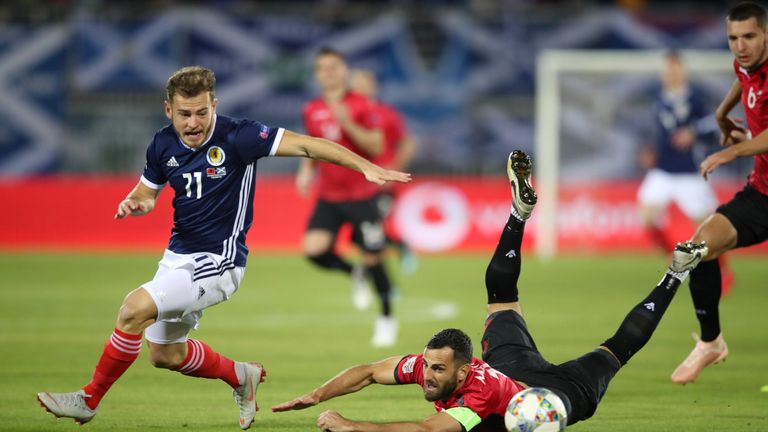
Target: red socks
<point x="203" y="362"/>
<point x="119" y="353"/>
<point x="122" y="349"/>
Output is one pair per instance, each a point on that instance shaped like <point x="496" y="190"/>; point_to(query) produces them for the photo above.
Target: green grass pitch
<point x="58" y="309"/>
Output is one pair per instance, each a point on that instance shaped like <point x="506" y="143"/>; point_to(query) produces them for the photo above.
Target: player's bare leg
<point x="137" y="312"/>
<point x="719" y="234"/>
<point x="725" y="270"/>
<point x="705" y="285"/>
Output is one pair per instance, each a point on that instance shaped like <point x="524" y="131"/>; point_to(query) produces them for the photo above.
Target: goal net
<point x="594" y="112"/>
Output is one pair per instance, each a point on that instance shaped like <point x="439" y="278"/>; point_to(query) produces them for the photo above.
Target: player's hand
<point x="380" y="176"/>
<point x="715" y="160"/>
<point x="332" y="421"/>
<point x="732" y="131"/>
<point x="130" y="207"/>
<point x="735" y="137"/>
<point x="299" y="403"/>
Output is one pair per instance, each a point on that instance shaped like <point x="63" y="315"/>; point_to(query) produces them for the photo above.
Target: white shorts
<point x="184" y="286"/>
<point x="690" y="192"/>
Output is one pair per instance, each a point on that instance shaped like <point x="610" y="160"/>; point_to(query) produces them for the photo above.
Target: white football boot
<point x="384" y="332"/>
<point x="687" y="256"/>
<point x="245" y="395"/>
<point x="70" y="405"/>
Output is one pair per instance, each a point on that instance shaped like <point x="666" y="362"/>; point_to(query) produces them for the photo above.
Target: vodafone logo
<point x="433" y="216"/>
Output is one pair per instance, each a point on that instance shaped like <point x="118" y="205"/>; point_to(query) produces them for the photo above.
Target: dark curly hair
<point x="457" y="340"/>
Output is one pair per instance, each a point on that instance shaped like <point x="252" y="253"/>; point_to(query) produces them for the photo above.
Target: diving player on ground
<point x="468" y="392"/>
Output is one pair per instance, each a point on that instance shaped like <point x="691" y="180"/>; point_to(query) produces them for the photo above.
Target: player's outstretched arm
<point x="349" y="381"/>
<point x="139" y="202"/>
<point x="294" y="144"/>
<point x="440" y="422"/>
<point x="755" y="146"/>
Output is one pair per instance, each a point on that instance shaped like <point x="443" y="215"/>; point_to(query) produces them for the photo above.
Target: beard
<point x="441" y="392"/>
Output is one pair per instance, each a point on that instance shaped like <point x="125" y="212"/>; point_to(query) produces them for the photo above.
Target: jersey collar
<point x="759" y="68"/>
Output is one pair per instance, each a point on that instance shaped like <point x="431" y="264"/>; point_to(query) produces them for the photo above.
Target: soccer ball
<point x="535" y="409"/>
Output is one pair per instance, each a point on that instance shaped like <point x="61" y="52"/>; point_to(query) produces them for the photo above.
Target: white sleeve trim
<point x="276" y="142"/>
<point x="151" y="185"/>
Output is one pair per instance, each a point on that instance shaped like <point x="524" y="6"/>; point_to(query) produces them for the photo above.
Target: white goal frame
<point x="549" y="65"/>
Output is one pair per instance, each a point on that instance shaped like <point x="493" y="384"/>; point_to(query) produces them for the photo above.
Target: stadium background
<point x="83" y="81"/>
<point x="82" y="89"/>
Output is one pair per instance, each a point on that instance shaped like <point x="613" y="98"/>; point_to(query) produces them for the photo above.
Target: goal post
<point x="551" y="66"/>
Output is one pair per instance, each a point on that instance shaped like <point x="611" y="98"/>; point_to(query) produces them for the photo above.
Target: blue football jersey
<point x="213" y="186"/>
<point x="673" y="112"/>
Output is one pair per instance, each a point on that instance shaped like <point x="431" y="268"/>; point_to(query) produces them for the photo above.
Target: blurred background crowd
<point x="82" y="80"/>
<point x="82" y="85"/>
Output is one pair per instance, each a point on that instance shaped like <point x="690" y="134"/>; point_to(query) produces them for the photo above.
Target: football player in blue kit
<point x="209" y="161"/>
<point x="683" y="123"/>
<point x="682" y="119"/>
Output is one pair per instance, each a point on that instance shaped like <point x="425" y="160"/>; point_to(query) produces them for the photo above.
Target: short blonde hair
<point x="190" y="81"/>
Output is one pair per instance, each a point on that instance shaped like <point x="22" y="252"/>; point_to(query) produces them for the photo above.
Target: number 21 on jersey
<point x="198" y="180"/>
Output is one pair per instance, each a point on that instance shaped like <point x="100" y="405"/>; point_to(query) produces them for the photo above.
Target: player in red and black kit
<point x="399" y="149"/>
<point x="349" y="119"/>
<point x="471" y="393"/>
<point x="743" y="221"/>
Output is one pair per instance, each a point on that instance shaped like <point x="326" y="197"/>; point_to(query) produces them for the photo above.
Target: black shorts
<point x="368" y="231"/>
<point x="748" y="213"/>
<point x="580" y="383"/>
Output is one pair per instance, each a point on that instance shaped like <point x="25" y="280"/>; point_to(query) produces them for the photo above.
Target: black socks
<point x="504" y="269"/>
<point x="642" y="320"/>
<point x="705" y="285"/>
<point x="383" y="286"/>
<point x="331" y="261"/>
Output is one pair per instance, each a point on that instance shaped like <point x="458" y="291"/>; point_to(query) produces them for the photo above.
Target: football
<point x="535" y="409"/>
